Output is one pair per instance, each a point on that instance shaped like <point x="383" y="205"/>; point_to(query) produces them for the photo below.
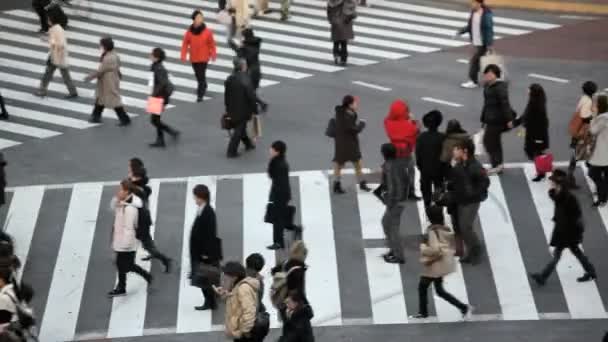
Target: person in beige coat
<point x="108" y="84"/>
<point x="437" y="258"/>
<point x="240" y="11"/>
<point x="58" y="58"/>
<point x="241" y="295"/>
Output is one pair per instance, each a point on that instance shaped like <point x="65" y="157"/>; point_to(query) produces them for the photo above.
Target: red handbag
<point x="544" y="163"/>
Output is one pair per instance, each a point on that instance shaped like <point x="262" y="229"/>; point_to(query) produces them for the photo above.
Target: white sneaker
<point x="469" y="85"/>
<point x="467" y="316"/>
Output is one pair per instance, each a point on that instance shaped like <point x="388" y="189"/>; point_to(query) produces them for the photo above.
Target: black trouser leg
<point x="221" y="4"/>
<point x="149" y="245"/>
<point x="583" y="259"/>
<point x="122" y="114"/>
<point x="209" y="296"/>
<point x="200" y="72"/>
<point x="44" y="23"/>
<point x="599" y="175"/>
<point x="448" y="297"/>
<point x="474" y="63"/>
<point x="344" y="50"/>
<point x="492" y="142"/>
<point x="423" y="298"/>
<point x="426" y="187"/>
<point x="97" y="110"/>
<point x="336" y="49"/>
<point x="2" y="106"/>
<point x="278" y="227"/>
<point x="238" y="133"/>
<point x="557" y="254"/>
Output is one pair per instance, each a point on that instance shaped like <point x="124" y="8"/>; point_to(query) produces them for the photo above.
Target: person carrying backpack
<point x="470" y="183"/>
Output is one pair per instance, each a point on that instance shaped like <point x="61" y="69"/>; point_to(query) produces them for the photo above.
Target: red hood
<point x="399" y="111"/>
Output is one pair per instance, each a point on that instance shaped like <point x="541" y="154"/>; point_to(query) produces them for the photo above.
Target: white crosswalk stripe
<point x="292" y="50"/>
<point x="390" y="299"/>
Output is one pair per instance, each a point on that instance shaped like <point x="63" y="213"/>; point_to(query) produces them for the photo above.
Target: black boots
<point x="338" y="188"/>
<point x="363" y="186"/>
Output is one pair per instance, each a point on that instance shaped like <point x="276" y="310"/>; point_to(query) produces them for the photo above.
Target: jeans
<point x="120" y="112"/>
<point x="466" y="216"/>
<point x="341" y="50"/>
<point x="599" y="175"/>
<point x="577" y="252"/>
<point x="125" y="263"/>
<point x="423" y="286"/>
<point x="492" y="142"/>
<point x="239" y="133"/>
<point x="200" y="72"/>
<point x="391" y="223"/>
<point x="474" y="63"/>
<point x="48" y="76"/>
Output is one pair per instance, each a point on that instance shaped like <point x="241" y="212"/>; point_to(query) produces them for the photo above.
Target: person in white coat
<point x="58" y="59"/>
<point x="124" y="241"/>
<point x="598" y="162"/>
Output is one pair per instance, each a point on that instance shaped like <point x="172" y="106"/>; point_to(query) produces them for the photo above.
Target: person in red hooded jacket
<point x="199" y="45"/>
<point x="402" y="131"/>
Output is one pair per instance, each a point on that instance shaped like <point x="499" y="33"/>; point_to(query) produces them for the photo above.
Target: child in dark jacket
<point x="428" y="153"/>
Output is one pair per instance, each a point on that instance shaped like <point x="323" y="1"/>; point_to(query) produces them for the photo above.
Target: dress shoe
<point x="587" y="277"/>
<point x="94" y="120"/>
<point x="538" y="178"/>
<point x="205" y="307"/>
<point x="4" y="116"/>
<point x="391" y="259"/>
<point x="274" y="247"/>
<point x="338" y="188"/>
<point x="363" y="186"/>
<point x="117" y="292"/>
<point x="540" y="281"/>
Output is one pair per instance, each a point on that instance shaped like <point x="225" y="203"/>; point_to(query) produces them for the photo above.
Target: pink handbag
<point x="544" y="163"/>
<point x="155" y="105"/>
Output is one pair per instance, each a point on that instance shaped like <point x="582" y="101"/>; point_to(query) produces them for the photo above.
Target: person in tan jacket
<point x="437" y="258"/>
<point x="241" y="295"/>
<point x="58" y="58"/>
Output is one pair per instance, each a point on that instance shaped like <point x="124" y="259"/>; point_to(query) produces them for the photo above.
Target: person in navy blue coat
<point x="480" y="28"/>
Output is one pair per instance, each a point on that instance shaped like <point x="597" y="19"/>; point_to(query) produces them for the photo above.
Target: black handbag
<point x="205" y="275"/>
<point x="226" y="122"/>
<point x="330" y="131"/>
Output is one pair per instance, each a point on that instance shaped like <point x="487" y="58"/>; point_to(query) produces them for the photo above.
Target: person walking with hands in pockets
<point x="199" y="46"/>
<point x="480" y="28"/>
<point x="161" y="88"/>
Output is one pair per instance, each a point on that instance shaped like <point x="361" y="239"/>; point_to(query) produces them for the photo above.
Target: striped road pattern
<point x="62" y="235"/>
<point x="296" y="49"/>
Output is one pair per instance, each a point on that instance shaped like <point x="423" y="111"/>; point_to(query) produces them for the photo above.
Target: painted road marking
<point x="443" y="102"/>
<point x="549" y="78"/>
<point x="371" y="85"/>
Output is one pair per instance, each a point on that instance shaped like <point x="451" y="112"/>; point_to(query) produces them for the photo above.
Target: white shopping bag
<point x="478" y="141"/>
<point x="493" y="58"/>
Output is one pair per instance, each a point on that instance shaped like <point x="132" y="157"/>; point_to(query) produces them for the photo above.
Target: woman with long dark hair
<point x="108" y="84"/>
<point x="536" y="123"/>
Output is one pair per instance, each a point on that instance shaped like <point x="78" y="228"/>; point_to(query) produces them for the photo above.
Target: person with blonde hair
<point x="295" y="267"/>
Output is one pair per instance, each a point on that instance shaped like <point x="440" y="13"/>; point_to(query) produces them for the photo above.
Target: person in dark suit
<point x="204" y="243"/>
<point x="241" y="103"/>
<point x="280" y="193"/>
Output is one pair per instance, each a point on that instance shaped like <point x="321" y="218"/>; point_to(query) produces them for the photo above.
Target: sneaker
<point x="468" y="314"/>
<point x="587" y="277"/>
<point x="469" y="85"/>
<point x="117" y="292"/>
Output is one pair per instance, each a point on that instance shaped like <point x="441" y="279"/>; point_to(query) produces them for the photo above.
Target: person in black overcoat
<point x="2" y="180"/>
<point x="568" y="230"/>
<point x="296" y="315"/>
<point x="429" y="146"/>
<point x="280" y="193"/>
<point x="240" y="100"/>
<point x="204" y="243"/>
<point x="536" y="123"/>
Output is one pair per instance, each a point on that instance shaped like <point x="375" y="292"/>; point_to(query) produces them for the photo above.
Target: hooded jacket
<point x="297" y="326"/>
<point x="241" y="307"/>
<point x="125" y="223"/>
<point x="199" y="44"/>
<point x="400" y="129"/>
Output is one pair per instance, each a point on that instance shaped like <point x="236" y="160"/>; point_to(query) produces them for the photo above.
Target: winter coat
<point x="296" y="280"/>
<point x="348" y="127"/>
<point x="280" y="190"/>
<point x="466" y="182"/>
<point x="7" y="301"/>
<point x="161" y="84"/>
<point x="599" y="129"/>
<point x="297" y="326"/>
<point x="203" y="238"/>
<point x="58" y="46"/>
<point x="142" y="190"/>
<point x="108" y="81"/>
<point x="241" y="307"/>
<point x="250" y="51"/>
<point x="2" y="179"/>
<point x="125" y="223"/>
<point x="537" y="132"/>
<point x="439" y="241"/>
<point x="198" y="44"/>
<point x="450" y="141"/>
<point x="487" y="27"/>
<point x="241" y="14"/>
<point x="568" y="230"/>
<point x="400" y="129"/>
<point x="429" y="147"/>
<point x="496" y="110"/>
<point x="396" y="180"/>
<point x="341" y="14"/>
<point x="239" y="97"/>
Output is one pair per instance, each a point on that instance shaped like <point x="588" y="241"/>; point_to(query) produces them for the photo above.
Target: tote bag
<point x="155" y="105"/>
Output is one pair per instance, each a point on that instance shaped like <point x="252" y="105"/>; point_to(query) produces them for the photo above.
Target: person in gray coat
<point x="108" y="84"/>
<point x="340" y="14"/>
<point x="395" y="179"/>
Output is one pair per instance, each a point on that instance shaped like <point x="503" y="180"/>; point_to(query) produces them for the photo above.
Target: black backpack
<point x="144" y="222"/>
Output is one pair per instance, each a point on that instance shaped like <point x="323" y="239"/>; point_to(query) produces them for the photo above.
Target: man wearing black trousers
<point x="241" y="103"/>
<point x="205" y="246"/>
<point x="429" y="145"/>
<point x="40" y="9"/>
<point x="4" y="112"/>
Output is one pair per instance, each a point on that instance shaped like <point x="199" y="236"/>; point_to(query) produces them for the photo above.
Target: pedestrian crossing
<point x="62" y="236"/>
<point x="292" y="50"/>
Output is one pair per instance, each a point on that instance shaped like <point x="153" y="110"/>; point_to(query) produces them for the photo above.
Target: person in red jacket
<point x="402" y="132"/>
<point x="199" y="44"/>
